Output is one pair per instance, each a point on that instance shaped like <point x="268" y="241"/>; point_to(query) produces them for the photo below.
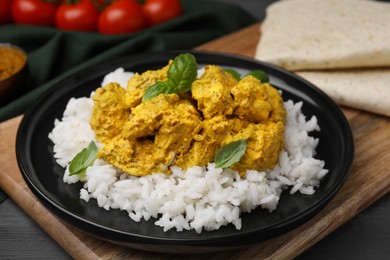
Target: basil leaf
<point x="83" y="159"/>
<point x="260" y="75"/>
<point x="234" y="73"/>
<point x="183" y="72"/>
<point x="160" y="87"/>
<point x="230" y="153"/>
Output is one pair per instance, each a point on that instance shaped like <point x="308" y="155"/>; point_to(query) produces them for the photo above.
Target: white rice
<point x="199" y="198"/>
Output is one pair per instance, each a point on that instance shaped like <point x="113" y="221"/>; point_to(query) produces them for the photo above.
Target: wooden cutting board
<point x="369" y="179"/>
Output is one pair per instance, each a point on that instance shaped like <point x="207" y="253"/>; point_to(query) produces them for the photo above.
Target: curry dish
<point x="187" y="129"/>
<point x="11" y="61"/>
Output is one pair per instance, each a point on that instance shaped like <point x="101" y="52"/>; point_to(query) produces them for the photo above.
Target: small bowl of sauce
<point x="13" y="70"/>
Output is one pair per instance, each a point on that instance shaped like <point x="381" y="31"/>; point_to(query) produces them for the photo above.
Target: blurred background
<point x="254" y="7"/>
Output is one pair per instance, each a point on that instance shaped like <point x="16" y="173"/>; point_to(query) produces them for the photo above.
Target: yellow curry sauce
<point x="11" y="61"/>
<point x="187" y="129"/>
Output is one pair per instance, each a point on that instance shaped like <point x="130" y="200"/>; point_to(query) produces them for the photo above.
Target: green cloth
<point x="55" y="54"/>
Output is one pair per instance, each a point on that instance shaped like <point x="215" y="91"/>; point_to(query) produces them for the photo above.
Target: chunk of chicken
<point x="109" y="112"/>
<point x="137" y="85"/>
<point x="157" y="131"/>
<point x="206" y="142"/>
<point x="257" y="102"/>
<point x="265" y="141"/>
<point x="212" y="92"/>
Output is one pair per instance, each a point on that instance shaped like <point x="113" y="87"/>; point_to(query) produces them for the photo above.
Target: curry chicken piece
<point x="278" y="113"/>
<point x="109" y="112"/>
<point x="265" y="141"/>
<point x="212" y="92"/>
<point x="178" y="128"/>
<point x="257" y="102"/>
<point x="206" y="142"/>
<point x="135" y="158"/>
<point x="157" y="131"/>
<point x="251" y="100"/>
<point x="140" y="82"/>
<point x="169" y="120"/>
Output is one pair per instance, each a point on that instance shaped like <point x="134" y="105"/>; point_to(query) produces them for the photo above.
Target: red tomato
<point x="5" y="11"/>
<point x="158" y="11"/>
<point x="123" y="16"/>
<point x="80" y="16"/>
<point x="34" y="12"/>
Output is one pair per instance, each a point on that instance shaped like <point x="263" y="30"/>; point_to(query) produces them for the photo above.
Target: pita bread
<point x="367" y="90"/>
<point x="341" y="46"/>
<point x="326" y="34"/>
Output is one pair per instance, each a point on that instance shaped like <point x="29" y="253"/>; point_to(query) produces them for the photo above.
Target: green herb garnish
<point x="181" y="73"/>
<point x="259" y="74"/>
<point x="230" y="153"/>
<point x="83" y="159"/>
<point x="234" y="73"/>
<point x="156" y="89"/>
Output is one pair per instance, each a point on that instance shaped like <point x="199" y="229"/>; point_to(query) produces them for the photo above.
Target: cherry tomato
<point x="123" y="16"/>
<point x="35" y="12"/>
<point x="5" y="11"/>
<point x="80" y="16"/>
<point x="158" y="11"/>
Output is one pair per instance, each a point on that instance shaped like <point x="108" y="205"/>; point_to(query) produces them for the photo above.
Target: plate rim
<point x="43" y="198"/>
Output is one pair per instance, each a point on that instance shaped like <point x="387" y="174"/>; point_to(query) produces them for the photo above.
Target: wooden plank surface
<point x="369" y="180"/>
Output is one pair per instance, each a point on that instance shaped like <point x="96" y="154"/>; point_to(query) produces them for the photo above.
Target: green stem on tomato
<point x="101" y="5"/>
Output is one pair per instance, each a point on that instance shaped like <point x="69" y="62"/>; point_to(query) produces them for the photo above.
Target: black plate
<point x="44" y="177"/>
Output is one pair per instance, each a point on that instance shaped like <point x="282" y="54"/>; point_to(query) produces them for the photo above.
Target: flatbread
<point x="341" y="46"/>
<point x="326" y="34"/>
<point x="367" y="90"/>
